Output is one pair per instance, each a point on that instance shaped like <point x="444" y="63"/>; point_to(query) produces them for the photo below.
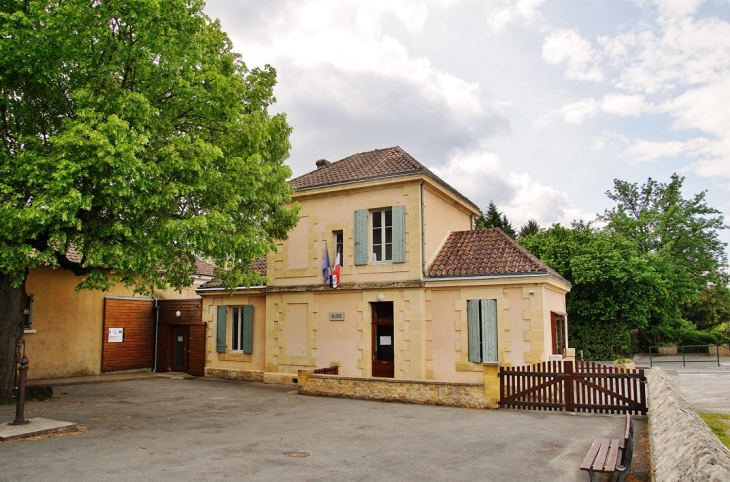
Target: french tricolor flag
<point x="335" y="278"/>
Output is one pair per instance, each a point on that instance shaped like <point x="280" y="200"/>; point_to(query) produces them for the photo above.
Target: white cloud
<point x="672" y="9"/>
<point x="479" y="175"/>
<point x="511" y="11"/>
<point x="566" y="46"/>
<point x="577" y="112"/>
<point x="706" y="108"/>
<point x="680" y="67"/>
<point x="347" y="37"/>
<point x="643" y="150"/>
<point x="623" y="105"/>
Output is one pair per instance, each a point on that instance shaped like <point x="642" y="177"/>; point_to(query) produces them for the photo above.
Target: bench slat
<point x="612" y="457"/>
<point x="588" y="461"/>
<point x="601" y="457"/>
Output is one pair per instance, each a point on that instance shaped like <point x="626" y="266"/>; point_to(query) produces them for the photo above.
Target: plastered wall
<point x="440" y="218"/>
<point x="253" y="362"/>
<point x="298" y="260"/>
<point x="66" y="338"/>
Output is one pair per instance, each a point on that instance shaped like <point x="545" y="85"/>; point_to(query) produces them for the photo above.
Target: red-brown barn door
<point x="128" y="339"/>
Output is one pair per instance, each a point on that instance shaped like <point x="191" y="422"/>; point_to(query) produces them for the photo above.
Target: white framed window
<point x="237" y="328"/>
<point x="339" y="247"/>
<point x="381" y="230"/>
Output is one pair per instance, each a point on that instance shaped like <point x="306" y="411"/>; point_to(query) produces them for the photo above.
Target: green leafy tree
<point x="682" y="233"/>
<point x="528" y="229"/>
<point x="492" y="218"/>
<point x="615" y="288"/>
<point x="133" y="133"/>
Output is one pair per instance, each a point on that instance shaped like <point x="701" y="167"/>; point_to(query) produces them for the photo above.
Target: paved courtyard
<point x="706" y="390"/>
<point x="201" y="429"/>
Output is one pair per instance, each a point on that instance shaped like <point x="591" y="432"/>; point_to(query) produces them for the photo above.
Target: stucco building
<point x="67" y="333"/>
<point x="422" y="294"/>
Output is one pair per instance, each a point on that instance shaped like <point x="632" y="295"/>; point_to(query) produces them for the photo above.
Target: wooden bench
<point x="604" y="454"/>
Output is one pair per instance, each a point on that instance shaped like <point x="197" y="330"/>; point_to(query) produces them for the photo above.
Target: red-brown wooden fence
<point x="574" y="387"/>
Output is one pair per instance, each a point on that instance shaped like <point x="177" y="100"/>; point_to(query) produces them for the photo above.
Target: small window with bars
<point x="28" y="313"/>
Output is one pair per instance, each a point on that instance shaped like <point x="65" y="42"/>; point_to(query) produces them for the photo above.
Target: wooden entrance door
<point x="180" y="348"/>
<point x="383" y="340"/>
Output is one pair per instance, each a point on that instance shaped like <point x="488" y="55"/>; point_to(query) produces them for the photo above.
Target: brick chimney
<point x="322" y="162"/>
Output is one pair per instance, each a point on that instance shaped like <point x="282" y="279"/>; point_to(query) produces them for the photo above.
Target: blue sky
<point x="535" y="104"/>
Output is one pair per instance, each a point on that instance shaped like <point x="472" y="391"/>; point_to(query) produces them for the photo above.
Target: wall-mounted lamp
<point x="531" y="292"/>
<point x="380" y="297"/>
<point x="177" y="313"/>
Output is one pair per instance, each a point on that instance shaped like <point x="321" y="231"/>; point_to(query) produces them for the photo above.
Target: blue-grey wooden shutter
<point x="472" y="316"/>
<point x="361" y="237"/>
<point x="220" y="335"/>
<point x="399" y="234"/>
<point x="248" y="329"/>
<point x="489" y="330"/>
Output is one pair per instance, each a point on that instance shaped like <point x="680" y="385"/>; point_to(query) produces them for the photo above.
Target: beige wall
<point x="554" y="302"/>
<point x="298" y="260"/>
<point x="337" y="341"/>
<point x="430" y="328"/>
<point x="441" y="216"/>
<point x="253" y="362"/>
<point x="67" y="326"/>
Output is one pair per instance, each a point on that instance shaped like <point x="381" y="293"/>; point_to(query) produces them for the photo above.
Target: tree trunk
<point x="12" y="306"/>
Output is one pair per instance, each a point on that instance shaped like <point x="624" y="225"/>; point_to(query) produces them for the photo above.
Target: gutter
<point x="498" y="276"/>
<point x="238" y="288"/>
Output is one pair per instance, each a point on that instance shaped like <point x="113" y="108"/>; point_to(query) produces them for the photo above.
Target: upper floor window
<point x="339" y="252"/>
<point x="382" y="235"/>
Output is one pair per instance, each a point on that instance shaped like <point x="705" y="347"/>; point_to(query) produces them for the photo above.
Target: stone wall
<point x="427" y="392"/>
<point x="232" y="374"/>
<point x="683" y="448"/>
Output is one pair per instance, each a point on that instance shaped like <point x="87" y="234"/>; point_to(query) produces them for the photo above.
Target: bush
<point x="599" y="340"/>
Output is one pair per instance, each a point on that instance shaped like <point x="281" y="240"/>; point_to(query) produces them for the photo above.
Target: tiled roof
<point x="257" y="265"/>
<point x="391" y="161"/>
<point x="202" y="268"/>
<point x="485" y="252"/>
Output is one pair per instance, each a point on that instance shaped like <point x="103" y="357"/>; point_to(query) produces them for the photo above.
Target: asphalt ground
<point x="705" y="390"/>
<point x="202" y="429"/>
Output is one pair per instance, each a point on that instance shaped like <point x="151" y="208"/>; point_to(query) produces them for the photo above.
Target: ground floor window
<point x="482" y="321"/>
<point x="28" y="312"/>
<point x="242" y="329"/>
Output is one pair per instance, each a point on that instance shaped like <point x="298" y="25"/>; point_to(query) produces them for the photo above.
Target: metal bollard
<point x="22" y="376"/>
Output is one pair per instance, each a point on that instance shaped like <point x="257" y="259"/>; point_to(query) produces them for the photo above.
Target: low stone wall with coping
<point x="683" y="448"/>
<point x="427" y="392"/>
<point x="233" y="374"/>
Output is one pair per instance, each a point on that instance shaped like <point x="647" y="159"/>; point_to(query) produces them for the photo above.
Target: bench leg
<point x="592" y="476"/>
<point x="623" y="473"/>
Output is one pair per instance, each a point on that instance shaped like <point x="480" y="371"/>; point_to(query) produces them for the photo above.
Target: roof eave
<point x="387" y="176"/>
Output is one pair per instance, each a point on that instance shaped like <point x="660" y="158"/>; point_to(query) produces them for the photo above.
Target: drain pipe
<point x="157" y="325"/>
<point x="423" y="237"/>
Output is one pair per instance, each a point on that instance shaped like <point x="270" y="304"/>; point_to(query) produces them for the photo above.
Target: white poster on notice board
<point x="116" y="335"/>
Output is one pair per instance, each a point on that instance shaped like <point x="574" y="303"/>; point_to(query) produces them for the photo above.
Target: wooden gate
<point x="574" y="387"/>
